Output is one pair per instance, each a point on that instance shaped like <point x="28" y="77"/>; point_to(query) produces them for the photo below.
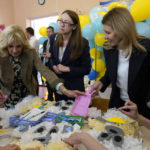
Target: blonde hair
<point x="11" y="34"/>
<point x="121" y="21"/>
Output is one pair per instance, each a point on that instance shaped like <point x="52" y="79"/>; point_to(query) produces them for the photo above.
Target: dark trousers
<point x="50" y="92"/>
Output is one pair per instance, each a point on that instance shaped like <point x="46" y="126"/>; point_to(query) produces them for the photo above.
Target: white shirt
<point x="122" y="75"/>
<point x="34" y="43"/>
<point x="61" y="52"/>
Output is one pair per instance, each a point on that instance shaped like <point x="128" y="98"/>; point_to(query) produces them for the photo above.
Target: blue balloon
<point x="143" y="28"/>
<point x="103" y="58"/>
<point x="42" y="40"/>
<point x="148" y="21"/>
<point x="99" y="48"/>
<point x="91" y="44"/>
<point x="93" y="75"/>
<point x="92" y="60"/>
<point x="55" y="26"/>
<point x="88" y="32"/>
<point x="97" y="25"/>
<point x="93" y="13"/>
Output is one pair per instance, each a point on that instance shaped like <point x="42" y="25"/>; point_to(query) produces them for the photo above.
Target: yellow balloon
<point x="140" y="10"/>
<point x="84" y="19"/>
<point x="58" y="17"/>
<point x="100" y="75"/>
<point x="98" y="65"/>
<point x="102" y="13"/>
<point x="43" y="79"/>
<point x="99" y="39"/>
<point x="42" y="31"/>
<point x="115" y="4"/>
<point x="95" y="54"/>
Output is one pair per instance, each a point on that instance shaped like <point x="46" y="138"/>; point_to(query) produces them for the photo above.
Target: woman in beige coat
<point x="17" y="59"/>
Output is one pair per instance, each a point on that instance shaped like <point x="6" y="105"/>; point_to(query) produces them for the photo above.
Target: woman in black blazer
<point x="127" y="56"/>
<point x="70" y="58"/>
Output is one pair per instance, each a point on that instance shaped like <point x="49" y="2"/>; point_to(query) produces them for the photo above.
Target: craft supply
<point x="82" y="103"/>
<point x="70" y="119"/>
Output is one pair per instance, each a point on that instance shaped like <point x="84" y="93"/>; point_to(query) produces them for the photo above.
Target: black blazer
<point x="138" y="77"/>
<point x="73" y="80"/>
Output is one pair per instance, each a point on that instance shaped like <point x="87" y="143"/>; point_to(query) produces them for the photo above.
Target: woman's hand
<point x="96" y="86"/>
<point x="132" y="110"/>
<point x="47" y="54"/>
<point x="63" y="68"/>
<point x="10" y="147"/>
<point x="70" y="93"/>
<point x="86" y="139"/>
<point x="56" y="70"/>
<point x="73" y="93"/>
<point x="148" y="104"/>
<point x="75" y="138"/>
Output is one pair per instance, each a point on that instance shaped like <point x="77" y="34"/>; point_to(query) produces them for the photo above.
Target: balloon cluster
<point x="92" y="29"/>
<point x="43" y="33"/>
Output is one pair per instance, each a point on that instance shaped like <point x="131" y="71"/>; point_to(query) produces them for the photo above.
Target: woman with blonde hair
<point x="17" y="59"/>
<point x="127" y="56"/>
<point x="70" y="58"/>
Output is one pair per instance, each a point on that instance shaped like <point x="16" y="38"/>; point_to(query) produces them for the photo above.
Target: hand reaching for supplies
<point x="132" y="110"/>
<point x="73" y="93"/>
<point x="96" y="86"/>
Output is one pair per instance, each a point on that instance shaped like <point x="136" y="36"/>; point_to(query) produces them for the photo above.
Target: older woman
<point x="127" y="56"/>
<point x="17" y="59"/>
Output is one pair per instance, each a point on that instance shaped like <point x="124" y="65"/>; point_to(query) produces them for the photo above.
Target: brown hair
<point x="121" y="21"/>
<point x="76" y="37"/>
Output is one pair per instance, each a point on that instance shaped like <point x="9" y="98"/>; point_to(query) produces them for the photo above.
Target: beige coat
<point x="29" y="58"/>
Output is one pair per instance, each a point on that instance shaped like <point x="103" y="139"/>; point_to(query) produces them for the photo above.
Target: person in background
<point x="35" y="44"/>
<point x="86" y="139"/>
<point x="46" y="60"/>
<point x="17" y="59"/>
<point x="134" y="114"/>
<point x="70" y="58"/>
<point x="127" y="57"/>
<point x="32" y="39"/>
<point x="46" y="44"/>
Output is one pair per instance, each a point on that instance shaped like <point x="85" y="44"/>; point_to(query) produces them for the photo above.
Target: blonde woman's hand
<point x="130" y="109"/>
<point x="96" y="86"/>
<point x="70" y="93"/>
<point x="73" y="93"/>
